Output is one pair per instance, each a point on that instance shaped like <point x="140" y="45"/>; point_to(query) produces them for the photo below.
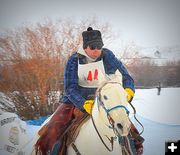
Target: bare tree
<point x="33" y="59"/>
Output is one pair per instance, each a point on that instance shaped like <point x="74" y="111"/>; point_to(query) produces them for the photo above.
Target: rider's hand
<point x="88" y="104"/>
<point x="130" y="94"/>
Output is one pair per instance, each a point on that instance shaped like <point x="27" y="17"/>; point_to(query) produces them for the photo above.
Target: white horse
<point x="109" y="120"/>
<point x="99" y="135"/>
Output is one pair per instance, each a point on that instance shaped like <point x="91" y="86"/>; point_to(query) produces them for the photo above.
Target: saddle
<point x="70" y="134"/>
<point x="74" y="130"/>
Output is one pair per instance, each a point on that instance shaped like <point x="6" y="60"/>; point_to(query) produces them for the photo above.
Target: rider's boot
<point x="50" y="132"/>
<point x="138" y="140"/>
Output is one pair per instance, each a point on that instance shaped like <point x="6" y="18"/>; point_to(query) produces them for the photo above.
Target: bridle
<point x="110" y="119"/>
<point x="99" y="96"/>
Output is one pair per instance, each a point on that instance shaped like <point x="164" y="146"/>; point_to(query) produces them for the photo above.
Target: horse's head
<point x="111" y="100"/>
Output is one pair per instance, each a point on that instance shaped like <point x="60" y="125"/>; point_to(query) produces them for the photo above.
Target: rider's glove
<point x="88" y="104"/>
<point x="130" y="94"/>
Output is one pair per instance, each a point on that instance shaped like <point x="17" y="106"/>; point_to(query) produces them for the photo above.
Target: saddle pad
<point x="74" y="130"/>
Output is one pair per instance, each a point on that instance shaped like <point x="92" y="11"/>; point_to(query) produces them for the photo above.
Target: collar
<point x="82" y="52"/>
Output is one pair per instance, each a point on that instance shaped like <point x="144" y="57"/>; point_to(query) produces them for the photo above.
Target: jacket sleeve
<point x="71" y="82"/>
<point x="128" y="81"/>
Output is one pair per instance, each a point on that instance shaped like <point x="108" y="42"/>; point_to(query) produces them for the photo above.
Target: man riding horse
<point x="80" y="82"/>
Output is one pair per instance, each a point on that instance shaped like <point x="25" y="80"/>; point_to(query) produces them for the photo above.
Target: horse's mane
<point x="110" y="79"/>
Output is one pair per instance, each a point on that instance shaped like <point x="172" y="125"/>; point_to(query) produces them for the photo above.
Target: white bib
<point x="88" y="74"/>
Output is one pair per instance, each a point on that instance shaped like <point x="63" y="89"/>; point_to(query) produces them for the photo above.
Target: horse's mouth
<point x="123" y="130"/>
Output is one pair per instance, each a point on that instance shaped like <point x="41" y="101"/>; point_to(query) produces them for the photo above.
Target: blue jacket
<point x="75" y="94"/>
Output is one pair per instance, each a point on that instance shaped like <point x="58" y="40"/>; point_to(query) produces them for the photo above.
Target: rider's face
<point x="93" y="53"/>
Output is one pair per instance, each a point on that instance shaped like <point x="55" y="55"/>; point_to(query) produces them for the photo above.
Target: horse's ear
<point x="118" y="77"/>
<point x="101" y="78"/>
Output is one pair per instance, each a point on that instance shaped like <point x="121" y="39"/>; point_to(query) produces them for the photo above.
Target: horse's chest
<point x="89" y="143"/>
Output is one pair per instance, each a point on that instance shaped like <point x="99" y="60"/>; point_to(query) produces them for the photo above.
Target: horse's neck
<point x="88" y="138"/>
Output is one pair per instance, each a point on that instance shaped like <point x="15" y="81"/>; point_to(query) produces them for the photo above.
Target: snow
<point x="5" y="102"/>
<point x="156" y="134"/>
<point x="13" y="134"/>
<point x="163" y="108"/>
<point x="159" y="115"/>
<point x="31" y="130"/>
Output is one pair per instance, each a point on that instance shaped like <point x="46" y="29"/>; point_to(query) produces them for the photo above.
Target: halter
<point x="98" y="95"/>
<point x="113" y="108"/>
<point x="110" y="119"/>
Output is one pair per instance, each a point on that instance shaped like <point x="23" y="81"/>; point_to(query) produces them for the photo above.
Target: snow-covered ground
<point x="13" y="133"/>
<point x="163" y="108"/>
<point x="158" y="113"/>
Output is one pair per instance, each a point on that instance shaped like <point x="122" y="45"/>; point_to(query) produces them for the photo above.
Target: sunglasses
<point x="96" y="46"/>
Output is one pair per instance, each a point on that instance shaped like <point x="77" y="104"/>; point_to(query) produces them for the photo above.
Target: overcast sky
<point x="148" y="23"/>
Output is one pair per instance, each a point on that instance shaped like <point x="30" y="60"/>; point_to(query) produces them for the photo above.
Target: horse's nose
<point x="119" y="125"/>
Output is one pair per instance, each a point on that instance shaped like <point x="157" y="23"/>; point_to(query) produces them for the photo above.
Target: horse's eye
<point x="105" y="97"/>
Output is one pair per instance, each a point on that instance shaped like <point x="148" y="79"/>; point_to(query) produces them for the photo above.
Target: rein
<point x="136" y="118"/>
<point x="111" y="121"/>
<point x="111" y="140"/>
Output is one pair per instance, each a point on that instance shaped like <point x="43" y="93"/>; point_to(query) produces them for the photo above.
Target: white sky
<point x="148" y="23"/>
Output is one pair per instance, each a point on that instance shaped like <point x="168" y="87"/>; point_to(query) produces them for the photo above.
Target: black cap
<point x="92" y="37"/>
